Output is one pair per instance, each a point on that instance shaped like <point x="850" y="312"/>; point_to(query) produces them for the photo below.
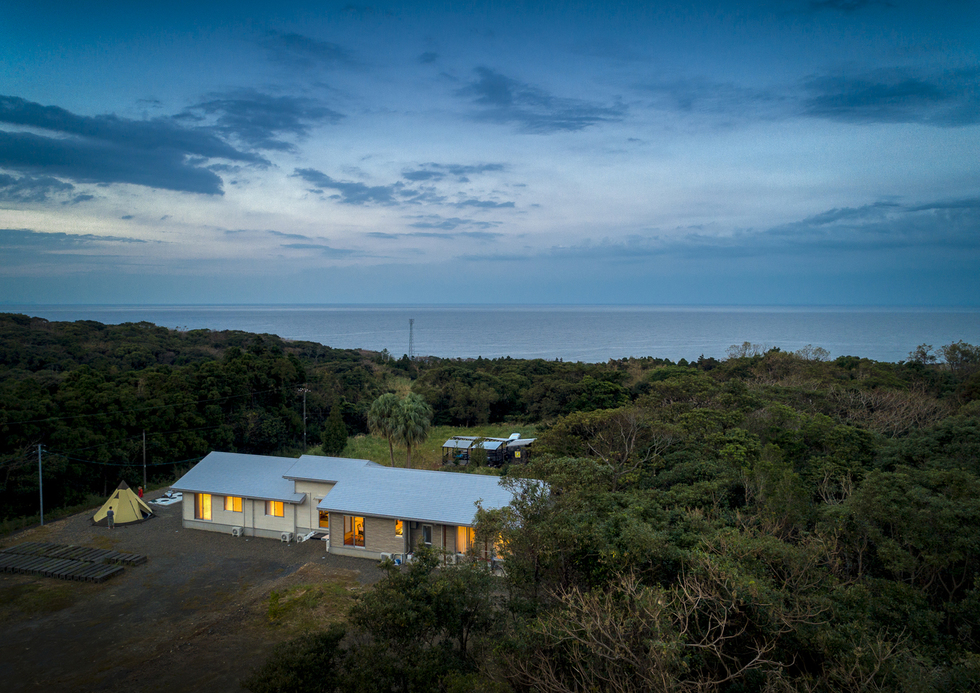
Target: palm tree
<point x="414" y="421"/>
<point x="383" y="420"/>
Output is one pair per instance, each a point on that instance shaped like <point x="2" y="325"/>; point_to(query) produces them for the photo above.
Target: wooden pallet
<point x="81" y="563"/>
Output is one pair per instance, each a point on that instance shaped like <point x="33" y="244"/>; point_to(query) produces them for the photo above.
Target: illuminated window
<point x="233" y="504"/>
<point x="427" y="534"/>
<point x="274" y="508"/>
<point x="202" y="506"/>
<point x="353" y="531"/>
<point x="399" y="528"/>
<point x="464" y="538"/>
<point x="325" y="519"/>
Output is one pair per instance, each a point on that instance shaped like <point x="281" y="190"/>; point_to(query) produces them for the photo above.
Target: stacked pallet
<point x="81" y="563"/>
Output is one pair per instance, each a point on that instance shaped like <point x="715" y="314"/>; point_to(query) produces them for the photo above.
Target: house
<point x="500" y="451"/>
<point x="361" y="508"/>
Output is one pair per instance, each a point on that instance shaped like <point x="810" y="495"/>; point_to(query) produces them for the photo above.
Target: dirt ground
<point x="193" y="618"/>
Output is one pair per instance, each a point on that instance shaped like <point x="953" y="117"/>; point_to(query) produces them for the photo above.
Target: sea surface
<point x="571" y="333"/>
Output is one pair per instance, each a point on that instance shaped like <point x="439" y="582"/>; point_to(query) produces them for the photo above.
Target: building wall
<point x="309" y="517"/>
<point x="253" y="518"/>
<point x="379" y="537"/>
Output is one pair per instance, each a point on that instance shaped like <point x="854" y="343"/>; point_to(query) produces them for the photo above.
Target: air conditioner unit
<point x="237" y="531"/>
<point x="286" y="537"/>
<point x="385" y="556"/>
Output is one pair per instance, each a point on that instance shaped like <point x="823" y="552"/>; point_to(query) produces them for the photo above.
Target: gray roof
<point x="330" y="469"/>
<point x="416" y="494"/>
<point x="248" y="476"/>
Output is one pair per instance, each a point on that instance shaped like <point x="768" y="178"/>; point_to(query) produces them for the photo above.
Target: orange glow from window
<point x="202" y="506"/>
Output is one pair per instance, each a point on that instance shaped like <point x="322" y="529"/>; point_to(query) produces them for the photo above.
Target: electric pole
<point x="40" y="482"/>
<point x="304" y="391"/>
<point x="144" y="460"/>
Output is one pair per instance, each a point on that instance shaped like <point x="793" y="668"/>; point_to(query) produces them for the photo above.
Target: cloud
<point x="503" y="100"/>
<point x="297" y="236"/>
<point x="260" y="120"/>
<point x="950" y="99"/>
<point x="297" y="50"/>
<point x="28" y="242"/>
<point x="461" y="172"/>
<point x="871" y="229"/>
<point x="483" y="204"/>
<point x="349" y="193"/>
<point x="428" y="58"/>
<point x="707" y="97"/>
<point x="434" y="221"/>
<point x="398" y="193"/>
<point x="31" y="189"/>
<point x="157" y="153"/>
<point x="321" y="249"/>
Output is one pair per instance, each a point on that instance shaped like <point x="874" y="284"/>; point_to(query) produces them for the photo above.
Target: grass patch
<point x="32" y="598"/>
<point x="428" y="455"/>
<point x="16" y="524"/>
<point x="308" y="607"/>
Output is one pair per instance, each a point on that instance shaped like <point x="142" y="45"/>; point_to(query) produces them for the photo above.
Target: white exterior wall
<point x="253" y="517"/>
<point x="309" y="517"/>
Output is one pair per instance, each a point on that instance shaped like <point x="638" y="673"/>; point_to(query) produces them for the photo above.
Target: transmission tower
<point x="411" y="339"/>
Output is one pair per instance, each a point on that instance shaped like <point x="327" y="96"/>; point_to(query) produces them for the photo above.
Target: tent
<point x="126" y="506"/>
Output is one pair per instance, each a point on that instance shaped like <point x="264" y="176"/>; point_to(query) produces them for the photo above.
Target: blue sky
<point x="780" y="152"/>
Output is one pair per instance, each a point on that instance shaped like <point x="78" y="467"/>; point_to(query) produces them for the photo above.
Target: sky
<point x="779" y="152"/>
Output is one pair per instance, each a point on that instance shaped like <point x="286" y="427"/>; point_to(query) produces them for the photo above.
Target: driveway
<point x="190" y="619"/>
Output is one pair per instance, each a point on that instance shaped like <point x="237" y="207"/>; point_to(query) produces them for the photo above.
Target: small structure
<point x="360" y="508"/>
<point x="126" y="506"/>
<point x="500" y="451"/>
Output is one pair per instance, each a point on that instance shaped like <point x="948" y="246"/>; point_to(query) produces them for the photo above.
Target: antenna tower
<point x="411" y="339"/>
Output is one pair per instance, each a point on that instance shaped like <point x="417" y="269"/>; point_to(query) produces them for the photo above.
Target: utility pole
<point x="144" y="460"/>
<point x="304" y="391"/>
<point x="40" y="482"/>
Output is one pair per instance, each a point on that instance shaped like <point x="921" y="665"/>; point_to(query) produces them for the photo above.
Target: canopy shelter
<point x="126" y="506"/>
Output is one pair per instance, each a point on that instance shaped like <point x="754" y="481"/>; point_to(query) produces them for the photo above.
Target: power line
<point x="120" y="411"/>
<point x="55" y="453"/>
<point x="152" y="433"/>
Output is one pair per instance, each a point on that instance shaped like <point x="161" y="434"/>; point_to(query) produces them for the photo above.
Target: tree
<point x="334" y="435"/>
<point x="383" y="420"/>
<point x="413" y="421"/>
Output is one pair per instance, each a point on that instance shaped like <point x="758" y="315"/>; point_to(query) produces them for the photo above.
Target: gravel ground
<point x="190" y="619"/>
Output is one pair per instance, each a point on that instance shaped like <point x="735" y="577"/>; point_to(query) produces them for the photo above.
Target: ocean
<point x="571" y="333"/>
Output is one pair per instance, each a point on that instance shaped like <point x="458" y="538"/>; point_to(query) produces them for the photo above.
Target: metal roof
<point x="467" y="443"/>
<point x="329" y="469"/>
<point x="236" y="474"/>
<point x="416" y="494"/>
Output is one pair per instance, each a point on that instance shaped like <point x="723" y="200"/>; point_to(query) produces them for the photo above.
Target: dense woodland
<point x="769" y="522"/>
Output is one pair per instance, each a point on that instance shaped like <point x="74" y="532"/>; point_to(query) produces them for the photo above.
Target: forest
<point x="772" y="521"/>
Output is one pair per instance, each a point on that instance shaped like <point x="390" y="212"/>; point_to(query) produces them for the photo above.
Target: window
<point x="427" y="535"/>
<point x="325" y="519"/>
<point x="353" y="531"/>
<point x="274" y="508"/>
<point x="202" y="506"/>
<point x="464" y="539"/>
<point x="233" y="504"/>
<point x="399" y="528"/>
